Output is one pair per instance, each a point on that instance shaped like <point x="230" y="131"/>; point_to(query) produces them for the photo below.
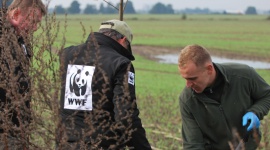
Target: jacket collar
<point x="109" y="42"/>
<point x="222" y="71"/>
<point x="202" y="96"/>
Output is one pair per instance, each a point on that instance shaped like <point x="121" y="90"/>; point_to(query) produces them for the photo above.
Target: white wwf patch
<point x="131" y="78"/>
<point x="78" y="92"/>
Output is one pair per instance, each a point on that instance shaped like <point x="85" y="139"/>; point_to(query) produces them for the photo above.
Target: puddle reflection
<point x="173" y="59"/>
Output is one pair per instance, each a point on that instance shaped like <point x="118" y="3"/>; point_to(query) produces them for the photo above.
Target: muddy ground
<point x="150" y="51"/>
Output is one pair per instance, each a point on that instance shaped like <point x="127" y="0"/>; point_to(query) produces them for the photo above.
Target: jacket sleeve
<point x="191" y="133"/>
<point x="260" y="93"/>
<point x="125" y="107"/>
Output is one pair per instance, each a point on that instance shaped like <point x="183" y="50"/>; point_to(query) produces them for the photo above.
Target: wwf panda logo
<point x="78" y="82"/>
<point x="78" y="91"/>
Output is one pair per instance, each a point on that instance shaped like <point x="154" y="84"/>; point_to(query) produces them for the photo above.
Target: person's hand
<point x="254" y="121"/>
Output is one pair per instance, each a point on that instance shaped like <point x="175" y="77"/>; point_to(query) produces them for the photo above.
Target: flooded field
<point x="173" y="58"/>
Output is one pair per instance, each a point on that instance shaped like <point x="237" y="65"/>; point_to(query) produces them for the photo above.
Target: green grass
<point x="231" y="33"/>
<point x="159" y="85"/>
<point x="152" y="78"/>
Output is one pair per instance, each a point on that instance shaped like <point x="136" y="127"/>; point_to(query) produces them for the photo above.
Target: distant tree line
<point x="196" y="11"/>
<point x="158" y="8"/>
<point x="74" y="8"/>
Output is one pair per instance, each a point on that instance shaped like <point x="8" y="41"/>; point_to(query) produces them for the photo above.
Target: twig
<point x="111" y="4"/>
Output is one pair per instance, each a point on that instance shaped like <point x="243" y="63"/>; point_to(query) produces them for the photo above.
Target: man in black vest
<point x="98" y="100"/>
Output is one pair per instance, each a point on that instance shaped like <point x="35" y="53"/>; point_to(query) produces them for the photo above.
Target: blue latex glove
<point x="254" y="121"/>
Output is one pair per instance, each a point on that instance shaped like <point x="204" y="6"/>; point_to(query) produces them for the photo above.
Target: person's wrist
<point x="252" y="119"/>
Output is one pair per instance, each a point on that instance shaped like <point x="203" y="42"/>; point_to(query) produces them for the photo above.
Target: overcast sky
<point x="177" y="4"/>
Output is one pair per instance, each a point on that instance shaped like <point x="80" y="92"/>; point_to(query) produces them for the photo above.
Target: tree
<point x="184" y="16"/>
<point x="170" y="9"/>
<point x="90" y="9"/>
<point x="74" y="8"/>
<point x="107" y="10"/>
<point x="160" y="8"/>
<point x="110" y="10"/>
<point x="101" y="8"/>
<point x="129" y="8"/>
<point x="60" y="10"/>
<point x="251" y="11"/>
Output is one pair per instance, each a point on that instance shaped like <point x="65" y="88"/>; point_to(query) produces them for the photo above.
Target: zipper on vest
<point x="224" y="118"/>
<point x="220" y="108"/>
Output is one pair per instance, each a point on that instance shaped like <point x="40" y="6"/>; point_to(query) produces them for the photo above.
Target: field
<point x="159" y="85"/>
<point x="226" y="33"/>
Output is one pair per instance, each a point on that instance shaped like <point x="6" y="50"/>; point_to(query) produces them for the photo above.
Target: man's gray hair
<point x="111" y="33"/>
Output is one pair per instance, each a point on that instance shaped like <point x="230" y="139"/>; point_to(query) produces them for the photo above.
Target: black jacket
<point x="14" y="77"/>
<point x="108" y="86"/>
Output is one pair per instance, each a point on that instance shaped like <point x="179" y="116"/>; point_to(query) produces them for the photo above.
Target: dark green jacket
<point x="209" y="124"/>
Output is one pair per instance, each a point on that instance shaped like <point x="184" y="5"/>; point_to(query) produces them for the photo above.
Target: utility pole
<point x="121" y="12"/>
<point x="121" y="8"/>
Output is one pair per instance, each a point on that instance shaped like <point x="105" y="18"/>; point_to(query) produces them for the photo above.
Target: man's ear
<point x="123" y="42"/>
<point x="210" y="68"/>
<point x="14" y="16"/>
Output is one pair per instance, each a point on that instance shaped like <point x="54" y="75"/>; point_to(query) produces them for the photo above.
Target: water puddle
<point x="173" y="59"/>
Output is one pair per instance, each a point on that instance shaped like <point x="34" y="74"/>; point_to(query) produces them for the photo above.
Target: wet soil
<point x="150" y="52"/>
